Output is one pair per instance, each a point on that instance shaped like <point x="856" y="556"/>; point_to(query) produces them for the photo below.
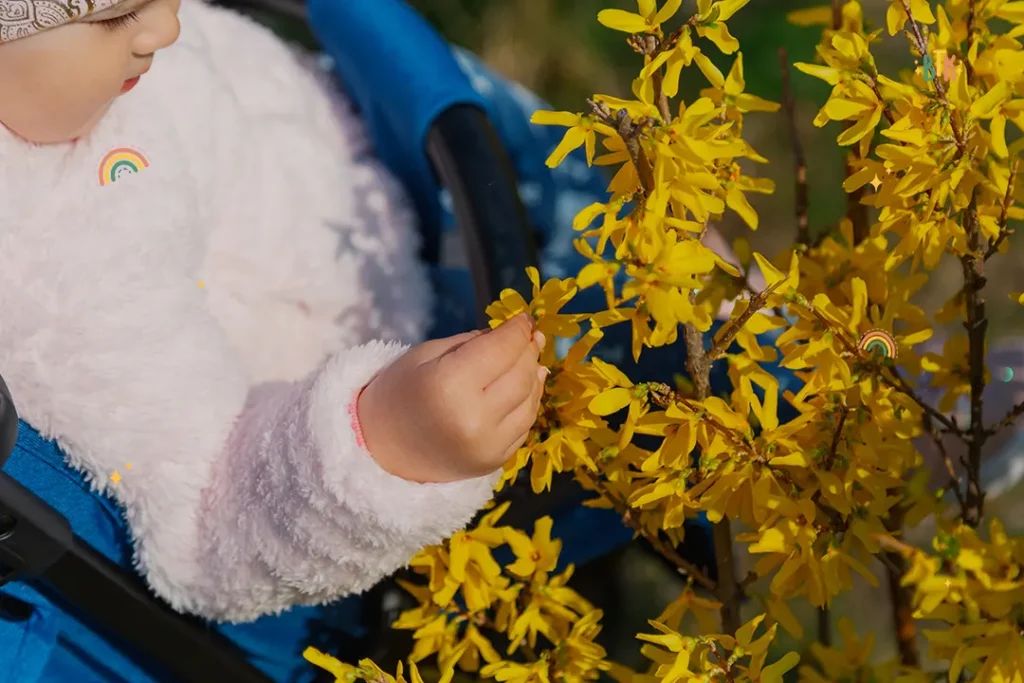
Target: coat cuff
<point x="406" y="511"/>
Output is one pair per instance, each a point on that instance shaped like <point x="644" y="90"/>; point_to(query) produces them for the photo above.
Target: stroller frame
<point x="37" y="543"/>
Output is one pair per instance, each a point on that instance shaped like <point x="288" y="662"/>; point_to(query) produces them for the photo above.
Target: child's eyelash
<point x="120" y="22"/>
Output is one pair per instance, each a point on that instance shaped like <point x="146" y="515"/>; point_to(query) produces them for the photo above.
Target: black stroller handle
<point x="471" y="163"/>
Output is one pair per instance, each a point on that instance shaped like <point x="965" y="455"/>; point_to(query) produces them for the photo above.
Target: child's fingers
<point x="515" y="427"/>
<point x="485" y="358"/>
<point x="433" y="349"/>
<point x="507" y="392"/>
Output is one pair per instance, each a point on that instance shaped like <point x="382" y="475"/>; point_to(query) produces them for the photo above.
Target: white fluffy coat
<point x="209" y="319"/>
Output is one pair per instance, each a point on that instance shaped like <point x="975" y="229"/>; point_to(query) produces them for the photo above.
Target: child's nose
<point x="161" y="28"/>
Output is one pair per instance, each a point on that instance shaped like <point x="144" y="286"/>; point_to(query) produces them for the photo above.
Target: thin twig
<point x="899" y="383"/>
<point x="1007" y="421"/>
<point x="725" y="339"/>
<point x="955" y="482"/>
<point x="1004" y="213"/>
<point x="833" y="452"/>
<point x="799" y="160"/>
<point x="663" y="547"/>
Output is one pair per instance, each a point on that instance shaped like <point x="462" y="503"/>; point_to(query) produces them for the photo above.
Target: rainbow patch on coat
<point x="878" y="341"/>
<point x="121" y="162"/>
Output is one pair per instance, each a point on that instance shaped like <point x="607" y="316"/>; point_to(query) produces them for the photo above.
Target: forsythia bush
<point x="823" y="496"/>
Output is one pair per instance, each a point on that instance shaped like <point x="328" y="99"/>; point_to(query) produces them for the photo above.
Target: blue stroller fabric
<point x="42" y="639"/>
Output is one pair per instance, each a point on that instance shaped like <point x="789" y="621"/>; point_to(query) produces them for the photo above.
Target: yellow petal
<point x="667" y="11"/>
<point x="737" y="201"/>
<point x="735" y="84"/>
<point x="574" y="137"/>
<point x="922" y="10"/>
<point x="720" y="36"/>
<point x="998" y="132"/>
<point x="863" y="127"/>
<point x="985" y="106"/>
<point x="555" y="118"/>
<point x="771" y="274"/>
<point x="621" y="20"/>
<point x="727" y="8"/>
<point x="812" y="16"/>
<point x="825" y="73"/>
<point x="1012" y="11"/>
<point x="610" y="401"/>
<point x="773" y="672"/>
<point x="710" y="71"/>
<point x="839" y="109"/>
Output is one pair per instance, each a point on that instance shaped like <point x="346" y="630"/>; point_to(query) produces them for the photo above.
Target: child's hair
<point x="23" y="18"/>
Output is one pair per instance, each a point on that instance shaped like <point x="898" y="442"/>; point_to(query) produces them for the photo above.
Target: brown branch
<point x="698" y="364"/>
<point x="837" y="14"/>
<point x="1004" y="213"/>
<point x="922" y="47"/>
<point x="976" y="324"/>
<point x="886" y="108"/>
<point x="825" y="626"/>
<point x="728" y="590"/>
<point x="652" y="47"/>
<point x="663" y="547"/>
<point x="799" y="160"/>
<point x="833" y="452"/>
<point x="757" y="303"/>
<point x="900" y="384"/>
<point x="901" y="598"/>
<point x="663" y="396"/>
<point x="628" y="130"/>
<point x="971" y="16"/>
<point x="955" y="482"/>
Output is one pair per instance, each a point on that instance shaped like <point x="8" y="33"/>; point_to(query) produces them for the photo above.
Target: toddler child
<point x="205" y="274"/>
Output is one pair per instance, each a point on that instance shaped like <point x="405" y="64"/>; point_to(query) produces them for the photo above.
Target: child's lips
<point x="133" y="81"/>
<point x="129" y="84"/>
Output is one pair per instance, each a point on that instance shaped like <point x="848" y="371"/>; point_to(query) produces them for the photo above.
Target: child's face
<point x="55" y="85"/>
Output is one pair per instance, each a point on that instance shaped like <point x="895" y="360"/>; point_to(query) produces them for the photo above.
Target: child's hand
<point x="455" y="408"/>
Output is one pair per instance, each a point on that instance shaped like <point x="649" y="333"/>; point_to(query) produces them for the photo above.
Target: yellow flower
<point x="711" y="20"/>
<point x="582" y="132"/>
<point x="538" y="555"/>
<point x="649" y="20"/>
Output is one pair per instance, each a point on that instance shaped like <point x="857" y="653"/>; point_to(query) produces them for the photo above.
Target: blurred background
<point x="557" y="49"/>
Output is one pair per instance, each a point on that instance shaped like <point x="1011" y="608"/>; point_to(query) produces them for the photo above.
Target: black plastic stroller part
<point x="471" y="163"/>
<point x="36" y="542"/>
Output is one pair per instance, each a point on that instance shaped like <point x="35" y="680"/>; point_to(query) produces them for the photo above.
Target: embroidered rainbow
<point x="878" y="341"/>
<point x="121" y="162"/>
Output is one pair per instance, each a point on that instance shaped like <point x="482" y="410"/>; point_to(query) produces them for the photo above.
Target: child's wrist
<point x="354" y="421"/>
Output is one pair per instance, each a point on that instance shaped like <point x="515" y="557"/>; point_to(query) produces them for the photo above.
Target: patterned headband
<point x="22" y="18"/>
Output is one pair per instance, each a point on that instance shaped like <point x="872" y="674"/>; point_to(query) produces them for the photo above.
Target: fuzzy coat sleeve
<point x="296" y="511"/>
